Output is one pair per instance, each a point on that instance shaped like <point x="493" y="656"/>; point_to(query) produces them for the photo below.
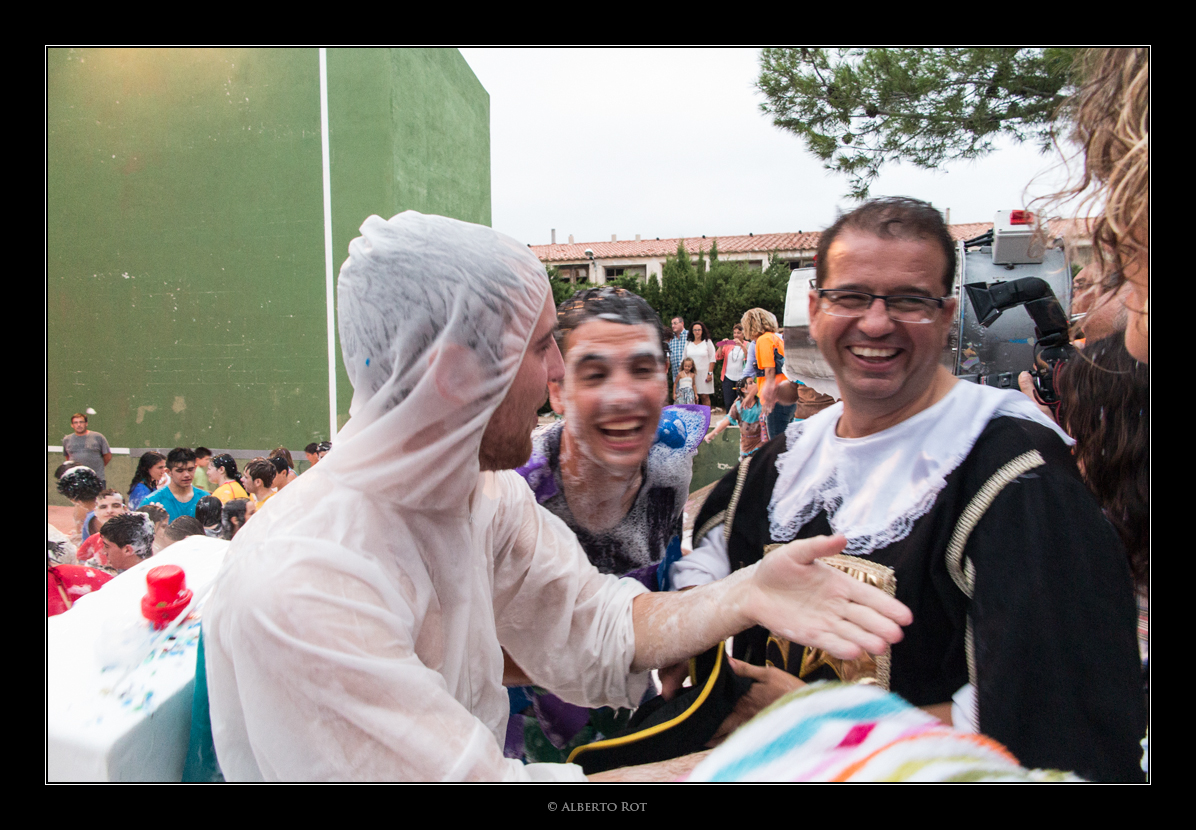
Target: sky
<point x="672" y="142"/>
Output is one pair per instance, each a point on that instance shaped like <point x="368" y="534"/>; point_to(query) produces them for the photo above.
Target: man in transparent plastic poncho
<point x="355" y="630"/>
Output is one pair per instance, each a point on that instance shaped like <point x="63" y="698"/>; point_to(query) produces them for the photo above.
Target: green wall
<point x="410" y="130"/>
<point x="185" y="226"/>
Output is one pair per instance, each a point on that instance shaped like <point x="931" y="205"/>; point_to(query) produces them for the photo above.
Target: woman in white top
<point x="734" y="366"/>
<point x="701" y="349"/>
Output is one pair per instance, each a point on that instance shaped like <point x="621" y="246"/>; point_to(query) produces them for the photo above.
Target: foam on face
<point x="621" y="398"/>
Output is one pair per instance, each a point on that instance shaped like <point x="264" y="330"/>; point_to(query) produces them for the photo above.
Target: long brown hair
<point x="1105" y="406"/>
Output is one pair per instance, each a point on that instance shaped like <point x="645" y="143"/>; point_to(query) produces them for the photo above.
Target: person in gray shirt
<point x="87" y="447"/>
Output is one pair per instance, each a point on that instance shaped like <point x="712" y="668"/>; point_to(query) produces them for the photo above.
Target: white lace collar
<point x="874" y="488"/>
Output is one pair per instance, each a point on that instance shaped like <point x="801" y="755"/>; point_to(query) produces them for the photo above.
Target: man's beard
<point x="504" y="454"/>
<point x="506" y="446"/>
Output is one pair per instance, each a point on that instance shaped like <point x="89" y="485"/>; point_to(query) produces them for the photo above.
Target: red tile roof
<point x="764" y="243"/>
<point x="668" y="247"/>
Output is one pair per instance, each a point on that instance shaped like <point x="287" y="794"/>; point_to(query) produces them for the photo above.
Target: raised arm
<point x="789" y="591"/>
<point x="722" y="425"/>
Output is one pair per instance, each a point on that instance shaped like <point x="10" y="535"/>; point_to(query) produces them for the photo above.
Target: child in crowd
<point x="109" y="503"/>
<point x="258" y="478"/>
<point x="222" y="473"/>
<point x="160" y="519"/>
<point x="236" y="513"/>
<point x="283" y="474"/>
<point x="150" y="475"/>
<point x="683" y="386"/>
<point x="745" y="413"/>
<point x="203" y="456"/>
<point x="209" y="512"/>
<point x="81" y="485"/>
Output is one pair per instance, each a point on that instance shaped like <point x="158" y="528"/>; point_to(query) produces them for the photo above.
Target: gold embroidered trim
<point x="711" y="523"/>
<point x="868" y="669"/>
<point x="962" y="572"/>
<point x="731" y="505"/>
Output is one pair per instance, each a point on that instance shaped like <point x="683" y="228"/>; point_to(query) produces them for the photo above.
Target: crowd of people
<point x="453" y="595"/>
<point x="186" y="492"/>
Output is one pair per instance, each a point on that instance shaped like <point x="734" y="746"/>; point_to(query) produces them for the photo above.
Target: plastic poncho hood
<point x="435" y="317"/>
<point x="355" y="629"/>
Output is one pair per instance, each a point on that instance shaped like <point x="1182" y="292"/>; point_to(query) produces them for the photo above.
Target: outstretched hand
<point x="812" y="603"/>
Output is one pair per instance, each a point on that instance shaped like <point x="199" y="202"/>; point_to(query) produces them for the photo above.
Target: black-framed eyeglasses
<point x="901" y="308"/>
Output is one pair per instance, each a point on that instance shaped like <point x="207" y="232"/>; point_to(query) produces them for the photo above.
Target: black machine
<point x="1052" y="345"/>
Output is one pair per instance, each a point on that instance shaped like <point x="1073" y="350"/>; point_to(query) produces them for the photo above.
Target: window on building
<point x="575" y="273"/>
<point x="638" y="271"/>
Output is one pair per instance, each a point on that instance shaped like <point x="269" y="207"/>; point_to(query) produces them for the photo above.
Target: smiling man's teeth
<point x="622" y="429"/>
<point x="863" y="351"/>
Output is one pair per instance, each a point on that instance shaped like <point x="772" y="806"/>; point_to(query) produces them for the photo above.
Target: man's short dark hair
<point x="136" y="529"/>
<point x="202" y="452"/>
<point x="179" y="455"/>
<point x="79" y="415"/>
<point x="260" y="468"/>
<point x="616" y="305"/>
<point x="280" y="464"/>
<point x="896" y="217"/>
<point x="312" y="448"/>
<point x="103" y="494"/>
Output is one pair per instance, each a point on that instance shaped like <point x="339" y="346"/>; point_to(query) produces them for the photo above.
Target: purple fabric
<point x="646" y="576"/>
<point x="513" y="748"/>
<point x="539" y="477"/>
<point x="560" y="721"/>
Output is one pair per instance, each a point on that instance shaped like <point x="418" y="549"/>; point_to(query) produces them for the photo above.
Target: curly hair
<point x="1111" y="116"/>
<point x="756" y="321"/>
<point x="1105" y="406"/>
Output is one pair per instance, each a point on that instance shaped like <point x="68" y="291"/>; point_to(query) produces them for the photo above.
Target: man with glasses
<point x="963" y="499"/>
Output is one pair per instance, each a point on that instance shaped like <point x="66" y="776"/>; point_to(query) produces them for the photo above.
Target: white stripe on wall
<point x="329" y="280"/>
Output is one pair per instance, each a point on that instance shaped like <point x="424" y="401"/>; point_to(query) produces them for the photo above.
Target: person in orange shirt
<point x="761" y="326"/>
<point x="222" y="472"/>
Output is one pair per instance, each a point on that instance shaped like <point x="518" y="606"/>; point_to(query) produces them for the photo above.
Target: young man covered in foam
<point x="109" y="503"/>
<point x="604" y="470"/>
<point x="128" y="539"/>
<point x="615" y="471"/>
<point x="356" y="629"/>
